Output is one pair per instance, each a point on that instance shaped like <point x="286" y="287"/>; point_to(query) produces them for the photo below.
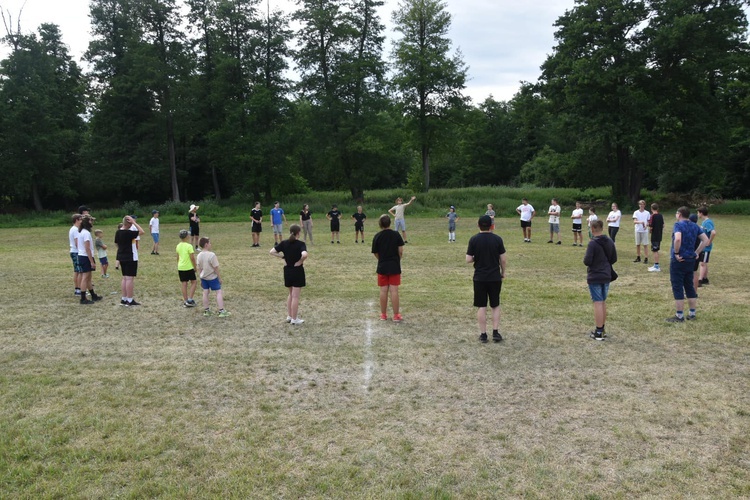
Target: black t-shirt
<point x="486" y="248"/>
<point x="385" y="244"/>
<point x="292" y="250"/>
<point x="334" y="215"/>
<point x="657" y="227"/>
<point x="190" y="219"/>
<point x="359" y="218"/>
<point x="305" y="215"/>
<point x="256" y="213"/>
<point x="124" y="240"/>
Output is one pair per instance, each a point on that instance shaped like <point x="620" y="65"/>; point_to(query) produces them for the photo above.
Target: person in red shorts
<point x="388" y="248"/>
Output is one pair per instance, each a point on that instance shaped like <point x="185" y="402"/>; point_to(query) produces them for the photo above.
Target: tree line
<point x="192" y="99"/>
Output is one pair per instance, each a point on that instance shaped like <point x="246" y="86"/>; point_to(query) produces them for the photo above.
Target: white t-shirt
<point x="613" y="219"/>
<point x="398" y="210"/>
<point x="642" y="218"/>
<point x="154" y="225"/>
<point x="577" y="215"/>
<point x="592" y="218"/>
<point x="207" y="262"/>
<point x="73" y="239"/>
<point x="554" y="219"/>
<point x="526" y="211"/>
<point x="135" y="244"/>
<point x="84" y="236"/>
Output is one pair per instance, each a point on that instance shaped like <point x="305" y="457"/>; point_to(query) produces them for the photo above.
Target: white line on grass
<point x="369" y="363"/>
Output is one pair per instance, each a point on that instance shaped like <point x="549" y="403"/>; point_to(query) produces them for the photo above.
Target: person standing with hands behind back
<point x="388" y="248"/>
<point x="294" y="253"/>
<point x="599" y="257"/>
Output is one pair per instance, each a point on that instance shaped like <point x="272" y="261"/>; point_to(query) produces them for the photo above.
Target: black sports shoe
<point x="134" y="303"/>
<point x="637" y="259"/>
<point x="496" y="337"/>
<point x="675" y="319"/>
<point x="704" y="281"/>
<point x="86" y="301"/>
<point x="124" y="302"/>
<point x="690" y="317"/>
<point x="597" y="335"/>
<point x="645" y="261"/>
<point x="559" y="242"/>
<point x="483" y="338"/>
<point x="96" y="298"/>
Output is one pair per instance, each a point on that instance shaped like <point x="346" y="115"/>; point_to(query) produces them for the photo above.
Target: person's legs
<point x="184" y="286"/>
<point x="600" y="314"/>
<point x="220" y="299"/>
<point x="205" y="298"/>
<point x="482" y="319"/>
<point x="294" y="293"/>
<point x="191" y="294"/>
<point x="496" y="318"/>
<point x="394" y="299"/>
<point x="129" y="286"/>
<point x="384" y="299"/>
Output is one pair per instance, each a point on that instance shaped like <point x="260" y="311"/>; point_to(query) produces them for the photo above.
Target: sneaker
<point x="675" y="319"/>
<point x="153" y="253"/>
<point x="405" y="242"/>
<point x="383" y="317"/>
<point x="190" y="303"/>
<point x="559" y="242"/>
<point x="207" y="313"/>
<point x="355" y="241"/>
<point x="645" y="261"/>
<point x="690" y="317"/>
<point x="338" y="242"/>
<point x="86" y="302"/>
<point x="580" y="244"/>
<point x="637" y="259"/>
<point x="134" y="303"/>
<point x="297" y="321"/>
<point x="96" y="298"/>
<point x="550" y="241"/>
<point x="654" y="269"/>
<point x="224" y="314"/>
<point x="496" y="337"/>
<point x="124" y="303"/>
<point x="575" y="244"/>
<point x="288" y="319"/>
<point x="597" y="335"/>
<point x="483" y="338"/>
<point x="397" y="318"/>
<point x="77" y="293"/>
<point x="704" y="281"/>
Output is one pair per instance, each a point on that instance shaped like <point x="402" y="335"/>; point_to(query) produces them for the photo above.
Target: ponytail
<point x="294" y="231"/>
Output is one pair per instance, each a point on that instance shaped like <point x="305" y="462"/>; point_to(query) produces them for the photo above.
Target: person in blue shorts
<point x="683" y="255"/>
<point x="710" y="230"/>
<point x="208" y="265"/>
<point x="600" y="255"/>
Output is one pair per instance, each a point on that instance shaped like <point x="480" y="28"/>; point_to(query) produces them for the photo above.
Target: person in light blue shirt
<point x="710" y="231"/>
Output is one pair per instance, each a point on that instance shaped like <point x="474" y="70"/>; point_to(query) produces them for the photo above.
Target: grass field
<point x="158" y="401"/>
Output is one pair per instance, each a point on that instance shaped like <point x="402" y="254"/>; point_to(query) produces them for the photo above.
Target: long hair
<point x="294" y="231"/>
<point x="86" y="223"/>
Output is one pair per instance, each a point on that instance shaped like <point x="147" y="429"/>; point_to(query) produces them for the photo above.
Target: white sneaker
<point x="288" y="319"/>
<point x="654" y="269"/>
<point x="297" y="321"/>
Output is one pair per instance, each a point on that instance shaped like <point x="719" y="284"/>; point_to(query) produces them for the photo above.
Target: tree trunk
<point x="215" y="180"/>
<point x="426" y="166"/>
<point x="627" y="186"/>
<point x="35" y="196"/>
<point x="172" y="158"/>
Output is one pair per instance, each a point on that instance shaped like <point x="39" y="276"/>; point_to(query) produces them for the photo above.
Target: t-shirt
<point x="99" y="245"/>
<point x="125" y="240"/>
<point x="193" y="223"/>
<point x="592" y="218"/>
<point x="257" y="214"/>
<point x="689" y="232"/>
<point x="491" y="213"/>
<point x="613" y="219"/>
<point x="291" y="251"/>
<point x="657" y="227"/>
<point x="486" y="248"/>
<point x="277" y="216"/>
<point x="83" y="236"/>
<point x="184" y="251"/>
<point x="527" y="211"/>
<point x="334" y="215"/>
<point x="708" y="226"/>
<point x="305" y="215"/>
<point x="359" y="218"/>
<point x="207" y="263"/>
<point x="452" y="216"/>
<point x="136" y="242"/>
<point x="554" y="219"/>
<point x="642" y="217"/>
<point x="385" y="244"/>
<point x="73" y="239"/>
<point x="398" y="210"/>
<point x="154" y="225"/>
<point x="577" y="215"/>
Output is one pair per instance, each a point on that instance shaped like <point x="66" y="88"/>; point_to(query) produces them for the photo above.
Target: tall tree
<point x="429" y="80"/>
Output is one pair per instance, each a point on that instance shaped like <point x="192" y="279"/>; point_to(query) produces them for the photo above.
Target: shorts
<point x="577" y="227"/>
<point x="655" y="245"/>
<point x="185" y="276"/>
<point x="257" y="228"/>
<point x="155" y="236"/>
<point x="389" y="279"/>
<point x="525" y="223"/>
<point x="278" y="229"/>
<point x="554" y="227"/>
<point x="195" y="230"/>
<point x="681" y="278"/>
<point x="213" y="284"/>
<point x="335" y="226"/>
<point x="641" y="239"/>
<point x="400" y="224"/>
<point x="484" y="290"/>
<point x="84" y="264"/>
<point x="294" y="276"/>
<point x="74" y="258"/>
<point x="129" y="268"/>
<point x="104" y="261"/>
<point x="598" y="291"/>
<point x="704" y="256"/>
<point x="452" y="227"/>
<point x="359" y="226"/>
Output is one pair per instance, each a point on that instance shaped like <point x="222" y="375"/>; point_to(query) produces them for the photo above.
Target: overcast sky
<point x="503" y="41"/>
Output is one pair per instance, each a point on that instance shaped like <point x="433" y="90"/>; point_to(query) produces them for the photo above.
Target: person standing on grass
<point x="600" y="255"/>
<point x="195" y="229"/>
<point x="577" y="217"/>
<point x="554" y="221"/>
<point x="73" y="243"/>
<point x="487" y="252"/>
<point x="388" y="248"/>
<point x="101" y="252"/>
<point x="688" y="241"/>
<point x="153" y="228"/>
<point x="452" y="218"/>
<point x="208" y="264"/>
<point x="491" y="212"/>
<point x="397" y="211"/>
<point x="86" y="260"/>
<point x="656" y="227"/>
<point x="359" y="224"/>
<point x="527" y="212"/>
<point x="186" y="266"/>
<point x="592" y="218"/>
<point x="277" y="220"/>
<point x="334" y="215"/>
<point x="127" y="257"/>
<point x="294" y="253"/>
<point x="710" y="231"/>
<point x="256" y="216"/>
<point x="641" y="218"/>
<point x="613" y="221"/>
<point x="305" y="220"/>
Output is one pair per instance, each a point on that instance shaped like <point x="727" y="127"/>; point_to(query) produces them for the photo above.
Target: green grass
<point x="157" y="401"/>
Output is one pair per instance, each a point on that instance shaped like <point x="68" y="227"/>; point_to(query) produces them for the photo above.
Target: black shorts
<point x="188" y="275"/>
<point x="195" y="230"/>
<point x="257" y="228"/>
<point x="335" y="226"/>
<point x="129" y="268"/>
<point x="655" y="246"/>
<point x="525" y="223"/>
<point x="294" y="276"/>
<point x="359" y="226"/>
<point x="484" y="290"/>
<point x="576" y="228"/>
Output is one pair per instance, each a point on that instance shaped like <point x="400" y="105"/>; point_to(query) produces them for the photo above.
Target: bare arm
<point x="469" y="259"/>
<point x="301" y="260"/>
<point x="503" y="263"/>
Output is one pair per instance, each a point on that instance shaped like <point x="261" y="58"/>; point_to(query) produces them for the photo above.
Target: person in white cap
<point x="194" y="221"/>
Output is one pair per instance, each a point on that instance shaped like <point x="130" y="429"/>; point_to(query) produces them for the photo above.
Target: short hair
<point x="597" y="224"/>
<point x="654" y="206"/>
<point x="183" y="234"/>
<point x="75" y="217"/>
<point x="703" y="210"/>
<point x="642" y="202"/>
<point x="684" y="212"/>
<point x="554" y="199"/>
<point x="202" y="242"/>
<point x="384" y="222"/>
<point x="592" y="210"/>
<point x="98" y="231"/>
<point x="484" y="223"/>
<point x="524" y="199"/>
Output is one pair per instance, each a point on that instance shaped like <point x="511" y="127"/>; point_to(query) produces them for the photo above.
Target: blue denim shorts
<point x="155" y="236"/>
<point x="599" y="291"/>
<point x="74" y="258"/>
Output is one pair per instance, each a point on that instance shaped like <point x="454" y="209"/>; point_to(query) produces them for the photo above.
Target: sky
<point x="503" y="42"/>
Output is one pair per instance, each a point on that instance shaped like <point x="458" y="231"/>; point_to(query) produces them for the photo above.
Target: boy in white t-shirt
<point x="153" y="228"/>
<point x="527" y="212"/>
<point x="554" y="221"/>
<point x="577" y="217"/>
<point x="640" y="221"/>
<point x="592" y="218"/>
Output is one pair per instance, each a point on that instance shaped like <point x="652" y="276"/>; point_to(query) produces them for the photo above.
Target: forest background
<point x="191" y="100"/>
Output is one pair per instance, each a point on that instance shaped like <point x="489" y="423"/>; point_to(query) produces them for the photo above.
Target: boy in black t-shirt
<point x="388" y="248"/>
<point x="334" y="216"/>
<point x="487" y="252"/>
<point x="656" y="226"/>
<point x="359" y="224"/>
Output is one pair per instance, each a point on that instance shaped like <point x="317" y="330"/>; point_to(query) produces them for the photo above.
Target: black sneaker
<point x="645" y="261"/>
<point x="86" y="302"/>
<point x="637" y="259"/>
<point x="124" y="303"/>
<point x="482" y="337"/>
<point x="96" y="298"/>
<point x="675" y="319"/>
<point x="704" y="281"/>
<point x="496" y="337"/>
<point x="559" y="242"/>
<point x="134" y="303"/>
<point x="690" y="317"/>
<point x="550" y="241"/>
<point x="597" y="335"/>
